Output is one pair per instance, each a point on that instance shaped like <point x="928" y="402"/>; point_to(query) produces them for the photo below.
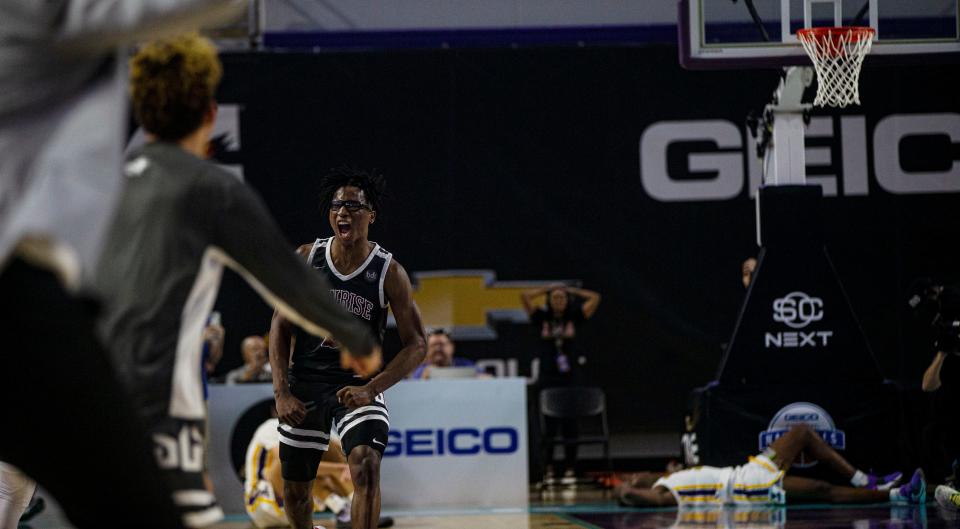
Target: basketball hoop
<point x="837" y="54"/>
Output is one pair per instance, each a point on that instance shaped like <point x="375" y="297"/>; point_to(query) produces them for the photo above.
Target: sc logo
<point x="797" y="310"/>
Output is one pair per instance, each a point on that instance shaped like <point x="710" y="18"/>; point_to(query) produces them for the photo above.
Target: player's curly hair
<point x="172" y="83"/>
<point x="371" y="183"/>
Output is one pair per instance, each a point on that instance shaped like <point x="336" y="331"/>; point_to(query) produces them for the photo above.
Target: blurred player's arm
<point x="95" y="26"/>
<point x="410" y="327"/>
<point x="290" y="410"/>
<point x="931" y="377"/>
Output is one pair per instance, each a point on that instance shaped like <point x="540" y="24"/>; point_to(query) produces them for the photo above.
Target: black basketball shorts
<point x="302" y="446"/>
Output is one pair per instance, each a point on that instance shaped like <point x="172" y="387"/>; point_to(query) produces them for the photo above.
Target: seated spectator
<point x="440" y="351"/>
<point x="255" y="367"/>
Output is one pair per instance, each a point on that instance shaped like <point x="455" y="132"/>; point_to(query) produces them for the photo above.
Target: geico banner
<point x="451" y="442"/>
<point x="456" y="443"/>
<point x="719" y="161"/>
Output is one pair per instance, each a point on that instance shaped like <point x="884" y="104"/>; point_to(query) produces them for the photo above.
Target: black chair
<point x="575" y="403"/>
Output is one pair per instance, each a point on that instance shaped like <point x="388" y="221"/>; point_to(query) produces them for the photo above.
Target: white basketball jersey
<point x="699" y="485"/>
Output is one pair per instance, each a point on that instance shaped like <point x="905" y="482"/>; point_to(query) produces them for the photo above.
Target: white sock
<point x="336" y="503"/>
<point x="859" y="479"/>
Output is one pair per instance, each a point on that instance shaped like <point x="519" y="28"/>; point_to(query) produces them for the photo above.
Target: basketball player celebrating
<point x="366" y="280"/>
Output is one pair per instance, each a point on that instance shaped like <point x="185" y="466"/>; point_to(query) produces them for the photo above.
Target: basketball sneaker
<point x="883" y="482"/>
<point x="947" y="497"/>
<point x="914" y="492"/>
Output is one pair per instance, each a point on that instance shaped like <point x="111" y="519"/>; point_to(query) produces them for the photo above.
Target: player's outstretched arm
<point x="290" y="410"/>
<point x="652" y="497"/>
<point x="95" y="26"/>
<point x="410" y="327"/>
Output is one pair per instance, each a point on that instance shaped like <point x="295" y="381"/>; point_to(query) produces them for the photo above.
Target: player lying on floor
<point x="762" y="480"/>
<point x="332" y="490"/>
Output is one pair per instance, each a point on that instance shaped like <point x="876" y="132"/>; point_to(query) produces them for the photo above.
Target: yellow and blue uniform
<point x="757" y="482"/>
<point x="262" y="503"/>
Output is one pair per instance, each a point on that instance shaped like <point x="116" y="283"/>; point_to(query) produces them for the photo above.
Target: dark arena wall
<point x="614" y="167"/>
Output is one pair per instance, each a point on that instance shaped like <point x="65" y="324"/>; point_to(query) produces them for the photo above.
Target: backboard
<point x="717" y="34"/>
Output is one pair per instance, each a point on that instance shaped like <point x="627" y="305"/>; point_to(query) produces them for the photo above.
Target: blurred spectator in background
<point x="747" y="269"/>
<point x="213" y="336"/>
<point x="937" y="307"/>
<point x="256" y="367"/>
<point x="941" y="437"/>
<point x="563" y="310"/>
<point x="440" y="351"/>
<point x="556" y="320"/>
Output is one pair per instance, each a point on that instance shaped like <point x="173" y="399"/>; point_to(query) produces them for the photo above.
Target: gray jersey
<point x="179" y="220"/>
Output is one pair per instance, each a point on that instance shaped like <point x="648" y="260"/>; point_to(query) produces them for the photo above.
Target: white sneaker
<point x="947" y="497"/>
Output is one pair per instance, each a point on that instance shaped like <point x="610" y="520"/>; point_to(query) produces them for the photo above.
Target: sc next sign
<point x="499" y="440"/>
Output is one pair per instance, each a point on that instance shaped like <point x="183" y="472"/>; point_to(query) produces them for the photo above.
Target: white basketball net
<point x="837" y="54"/>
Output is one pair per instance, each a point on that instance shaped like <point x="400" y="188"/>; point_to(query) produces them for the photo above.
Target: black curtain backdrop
<point x="526" y="162"/>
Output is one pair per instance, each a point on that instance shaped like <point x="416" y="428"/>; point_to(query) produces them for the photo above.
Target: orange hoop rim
<point x="825" y="32"/>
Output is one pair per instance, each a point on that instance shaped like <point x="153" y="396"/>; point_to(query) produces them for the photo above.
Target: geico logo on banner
<point x="499" y="440"/>
<point x="721" y="167"/>
<point x="797" y="310"/>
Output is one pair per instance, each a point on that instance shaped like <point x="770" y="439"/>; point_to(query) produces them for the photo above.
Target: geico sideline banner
<point x="456" y="443"/>
<point x="452" y="442"/>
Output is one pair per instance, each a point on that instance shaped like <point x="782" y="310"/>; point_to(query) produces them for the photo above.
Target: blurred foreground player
<point x="762" y="480"/>
<point x="62" y="126"/>
<point x="180" y="219"/>
<point x="367" y="280"/>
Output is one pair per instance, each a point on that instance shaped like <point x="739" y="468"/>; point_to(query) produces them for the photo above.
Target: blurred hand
<point x="289" y="409"/>
<point x="365" y="366"/>
<point x="213" y="333"/>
